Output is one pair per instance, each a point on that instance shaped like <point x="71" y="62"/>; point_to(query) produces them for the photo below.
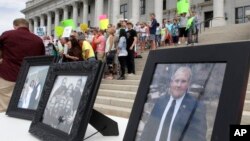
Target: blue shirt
<point x="153" y="27"/>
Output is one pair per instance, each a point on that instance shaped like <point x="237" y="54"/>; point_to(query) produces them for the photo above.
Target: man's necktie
<point x="167" y="121"/>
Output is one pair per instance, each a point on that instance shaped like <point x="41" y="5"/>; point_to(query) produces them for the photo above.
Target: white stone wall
<point x="33" y="10"/>
<point x="92" y="14"/>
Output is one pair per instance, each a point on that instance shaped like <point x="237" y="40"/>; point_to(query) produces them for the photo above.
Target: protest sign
<point x="104" y="24"/>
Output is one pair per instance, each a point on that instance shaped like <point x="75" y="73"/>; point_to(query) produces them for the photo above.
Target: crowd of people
<point x="119" y="44"/>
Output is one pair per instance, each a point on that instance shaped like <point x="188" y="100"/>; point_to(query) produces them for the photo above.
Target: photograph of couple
<point x="33" y="86"/>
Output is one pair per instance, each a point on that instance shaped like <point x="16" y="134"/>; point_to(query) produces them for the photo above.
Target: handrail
<point x="208" y="20"/>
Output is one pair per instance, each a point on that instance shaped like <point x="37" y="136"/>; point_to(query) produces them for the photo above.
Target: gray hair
<point x="183" y="69"/>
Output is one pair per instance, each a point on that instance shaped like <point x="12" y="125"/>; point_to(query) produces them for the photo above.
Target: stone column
<point x="158" y="10"/>
<point x="85" y="11"/>
<point x="75" y="13"/>
<point x="135" y="11"/>
<point x="49" y="22"/>
<point x="42" y="21"/>
<point x="115" y="11"/>
<point x="57" y="17"/>
<point x="31" y="25"/>
<point x="98" y="11"/>
<point x="65" y="12"/>
<point x="218" y="12"/>
<point x="35" y="24"/>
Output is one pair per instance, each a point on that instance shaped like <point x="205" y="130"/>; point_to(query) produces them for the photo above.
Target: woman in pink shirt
<point x="100" y="49"/>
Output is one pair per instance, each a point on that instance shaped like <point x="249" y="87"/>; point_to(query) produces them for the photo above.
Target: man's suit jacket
<point x="196" y="131"/>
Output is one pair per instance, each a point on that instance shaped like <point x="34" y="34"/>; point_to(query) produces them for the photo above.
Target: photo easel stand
<point x="105" y="125"/>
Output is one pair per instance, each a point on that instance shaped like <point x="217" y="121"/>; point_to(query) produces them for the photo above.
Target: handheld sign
<point x="104" y="24"/>
<point x="67" y="31"/>
<point x="68" y="22"/>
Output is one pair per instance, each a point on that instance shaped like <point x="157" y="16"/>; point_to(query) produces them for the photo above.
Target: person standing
<point x="35" y="95"/>
<point x="100" y="48"/>
<point x="131" y="42"/>
<point x="152" y="29"/>
<point x="15" y="45"/>
<point x="122" y="53"/>
<point x="182" y="28"/>
<point x="175" y="32"/>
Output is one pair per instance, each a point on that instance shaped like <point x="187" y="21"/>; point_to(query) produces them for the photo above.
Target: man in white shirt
<point x="177" y="116"/>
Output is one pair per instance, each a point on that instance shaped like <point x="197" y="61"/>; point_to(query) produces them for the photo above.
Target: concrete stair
<point x="116" y="97"/>
<point x="245" y="119"/>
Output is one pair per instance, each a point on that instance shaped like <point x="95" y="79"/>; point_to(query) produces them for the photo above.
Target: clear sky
<point x="9" y="10"/>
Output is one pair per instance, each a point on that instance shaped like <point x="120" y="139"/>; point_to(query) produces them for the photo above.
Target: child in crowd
<point x="158" y="35"/>
<point x="175" y="32"/>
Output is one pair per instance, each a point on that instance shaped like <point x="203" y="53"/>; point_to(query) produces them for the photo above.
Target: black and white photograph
<point x="32" y="89"/>
<point x="29" y="86"/>
<point x="63" y="102"/>
<point x="182" y="102"/>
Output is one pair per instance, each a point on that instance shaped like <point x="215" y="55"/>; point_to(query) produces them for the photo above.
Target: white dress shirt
<point x="176" y="108"/>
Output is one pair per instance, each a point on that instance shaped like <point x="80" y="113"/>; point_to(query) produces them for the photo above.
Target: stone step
<point x="130" y="88"/>
<point x="247" y="95"/>
<point x="245" y="119"/>
<point x="138" y="72"/>
<point x="113" y="110"/>
<point x="122" y="82"/>
<point x="139" y="67"/>
<point x="118" y="102"/>
<point x="143" y="61"/>
<point x="117" y="94"/>
<point x="248" y="87"/>
<point x="134" y="77"/>
<point x="247" y="105"/>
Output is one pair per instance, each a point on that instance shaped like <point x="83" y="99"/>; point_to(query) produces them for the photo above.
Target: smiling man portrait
<point x="177" y="115"/>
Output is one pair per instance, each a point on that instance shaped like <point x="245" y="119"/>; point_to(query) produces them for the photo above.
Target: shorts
<point x="163" y="37"/>
<point x="183" y="32"/>
<point x="175" y="39"/>
<point x="152" y="37"/>
<point x="142" y="38"/>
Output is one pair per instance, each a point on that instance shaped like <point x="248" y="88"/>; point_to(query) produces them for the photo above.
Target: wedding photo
<point x="33" y="86"/>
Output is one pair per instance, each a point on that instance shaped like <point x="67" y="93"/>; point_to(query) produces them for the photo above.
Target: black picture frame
<point x="36" y="62"/>
<point x="93" y="71"/>
<point x="236" y="55"/>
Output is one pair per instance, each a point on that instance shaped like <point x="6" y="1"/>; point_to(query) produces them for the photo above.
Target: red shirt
<point x="94" y="45"/>
<point x="15" y="45"/>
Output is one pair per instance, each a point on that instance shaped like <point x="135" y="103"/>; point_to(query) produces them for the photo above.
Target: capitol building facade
<point x="49" y="13"/>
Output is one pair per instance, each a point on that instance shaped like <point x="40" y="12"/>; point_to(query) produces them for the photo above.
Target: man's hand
<point x="1" y="61"/>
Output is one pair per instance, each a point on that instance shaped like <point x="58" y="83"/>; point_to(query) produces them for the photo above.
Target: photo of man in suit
<point x="176" y="115"/>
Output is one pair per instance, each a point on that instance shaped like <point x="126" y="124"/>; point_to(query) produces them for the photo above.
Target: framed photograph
<point x="29" y="86"/>
<point x="190" y="93"/>
<point x="68" y="98"/>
